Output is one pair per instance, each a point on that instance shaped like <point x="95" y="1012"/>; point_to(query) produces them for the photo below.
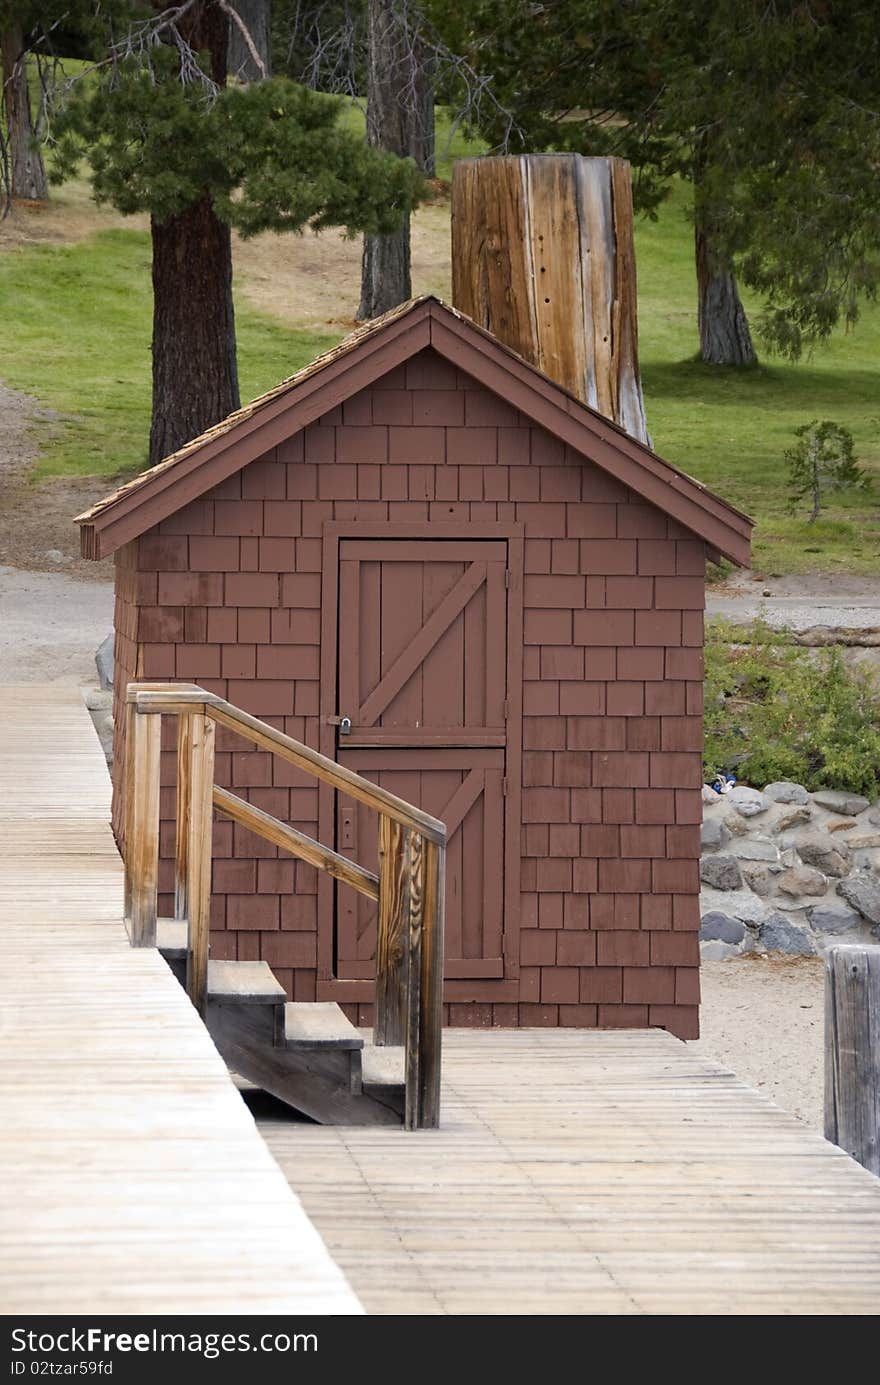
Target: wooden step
<point x="319" y="1024"/>
<point x="171" y="939"/>
<point x="383" y="1068"/>
<point x="244" y="983"/>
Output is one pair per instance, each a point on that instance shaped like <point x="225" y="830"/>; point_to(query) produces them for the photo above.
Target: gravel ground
<point x="51" y="626"/>
<point x="800" y="603"/>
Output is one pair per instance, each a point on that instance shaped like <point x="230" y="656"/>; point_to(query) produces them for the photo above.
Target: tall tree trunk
<point x="27" y="176"/>
<point x="725" y="338"/>
<point x="195" y="376"/>
<point x="255" y="15"/>
<point x="400" y="119"/>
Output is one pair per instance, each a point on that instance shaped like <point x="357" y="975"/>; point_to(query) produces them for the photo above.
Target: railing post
<point x="142" y="771"/>
<point x="200" y="738"/>
<point x="184" y="804"/>
<point x="852" y="1051"/>
<point x="425" y="1006"/>
<point x="392" y="933"/>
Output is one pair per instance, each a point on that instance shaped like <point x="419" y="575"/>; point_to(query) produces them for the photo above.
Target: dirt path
<point x="803" y="602"/>
<point x="37" y="532"/>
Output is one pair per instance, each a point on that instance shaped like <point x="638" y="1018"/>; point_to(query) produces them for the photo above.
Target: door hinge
<point x="504" y="786"/>
<point x="507" y="579"/>
<point x="506" y="708"/>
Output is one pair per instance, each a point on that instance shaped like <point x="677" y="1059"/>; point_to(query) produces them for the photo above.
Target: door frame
<point x="330" y="987"/>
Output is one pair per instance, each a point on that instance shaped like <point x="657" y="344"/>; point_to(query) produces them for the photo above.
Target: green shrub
<point x="774" y="711"/>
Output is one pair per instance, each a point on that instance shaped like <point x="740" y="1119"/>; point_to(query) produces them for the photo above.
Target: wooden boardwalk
<point x="585" y="1172"/>
<point x="132" y="1178"/>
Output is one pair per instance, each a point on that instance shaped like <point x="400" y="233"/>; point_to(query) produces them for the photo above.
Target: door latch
<point x="344" y="724"/>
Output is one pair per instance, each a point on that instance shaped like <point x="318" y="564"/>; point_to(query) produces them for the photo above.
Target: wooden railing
<point x="408" y="888"/>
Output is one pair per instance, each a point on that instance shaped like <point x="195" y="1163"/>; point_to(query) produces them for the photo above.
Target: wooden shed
<point x="422" y="557"/>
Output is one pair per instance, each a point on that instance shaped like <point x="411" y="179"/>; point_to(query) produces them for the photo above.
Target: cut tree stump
<point x="543" y="257"/>
<point x="852" y="1052"/>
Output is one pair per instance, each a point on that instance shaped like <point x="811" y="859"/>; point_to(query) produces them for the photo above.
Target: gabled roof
<point x="355" y="364"/>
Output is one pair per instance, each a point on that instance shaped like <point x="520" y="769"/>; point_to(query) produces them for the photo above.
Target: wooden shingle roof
<point x="355" y="364"/>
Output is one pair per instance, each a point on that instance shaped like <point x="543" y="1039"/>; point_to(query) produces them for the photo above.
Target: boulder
<point x="713" y="835"/>
<point x="709" y="795"/>
<point x="755" y="849"/>
<point x="828" y="918"/>
<point x="863" y="893"/>
<point x="862" y="841"/>
<point x="104" y="662"/>
<point x="742" y="904"/>
<point x="721" y="872"/>
<point x="784" y="791"/>
<point x="846" y="804"/>
<point x="736" y="826"/>
<point x="795" y="818"/>
<point x="802" y="880"/>
<point x="780" y="934"/>
<point x="715" y="951"/>
<point x="747" y="802"/>
<point x="757" y="877"/>
<point x="718" y="927"/>
<point x="842" y="825"/>
<point x="824" y="853"/>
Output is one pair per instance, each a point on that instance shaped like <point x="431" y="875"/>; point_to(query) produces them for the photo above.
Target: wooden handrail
<point x="168" y="697"/>
<point x="408" y="888"/>
<point x="297" y="843"/>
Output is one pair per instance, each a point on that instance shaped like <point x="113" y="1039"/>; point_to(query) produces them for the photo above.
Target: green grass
<point x="75" y="332"/>
<point x="731" y="427"/>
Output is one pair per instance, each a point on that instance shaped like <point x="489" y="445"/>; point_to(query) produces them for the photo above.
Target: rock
<point x="104" y="662"/>
<point x="717" y="927"/>
<point x="54" y="555"/>
<point x="843" y="825"/>
<point x="789" y="858"/>
<point x="784" y="791"/>
<point x="825" y="918"/>
<point x="713" y="835"/>
<point x="757" y="877"/>
<point x="802" y="880"/>
<point x="874" y="816"/>
<point x="780" y="934"/>
<point x="742" y="904"/>
<point x="747" y="802"/>
<point x="709" y="795"/>
<point x="847" y="804"/>
<point x="755" y="849"/>
<point x="736" y="825"/>
<point x="793" y="819"/>
<point x="721" y="872"/>
<point x="824" y="853"/>
<point x="863" y="893"/>
<point x="863" y="840"/>
<point x="717" y="951"/>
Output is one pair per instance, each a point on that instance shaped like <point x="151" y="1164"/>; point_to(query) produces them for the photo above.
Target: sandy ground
<point x="764" y="1019"/>
<point x="51" y="626"/>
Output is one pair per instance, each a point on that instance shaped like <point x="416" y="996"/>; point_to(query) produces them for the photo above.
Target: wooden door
<point x="421" y="676"/>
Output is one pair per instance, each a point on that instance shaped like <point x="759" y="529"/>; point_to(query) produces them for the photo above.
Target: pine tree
<point x="20" y="156"/>
<point x="163" y="133"/>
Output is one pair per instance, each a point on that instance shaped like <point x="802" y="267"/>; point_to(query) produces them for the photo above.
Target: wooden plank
<point x="296" y="842"/>
<point x="319" y="1024"/>
<point x="431" y="986"/>
<point x="149" y="1192"/>
<point x="184" y="804"/>
<point x="142" y="783"/>
<point x="328" y="771"/>
<point x="200" y="744"/>
<point x="627" y="1177"/>
<point x="392" y="958"/>
<point x="852" y="1052"/>
<point x="245" y="983"/>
